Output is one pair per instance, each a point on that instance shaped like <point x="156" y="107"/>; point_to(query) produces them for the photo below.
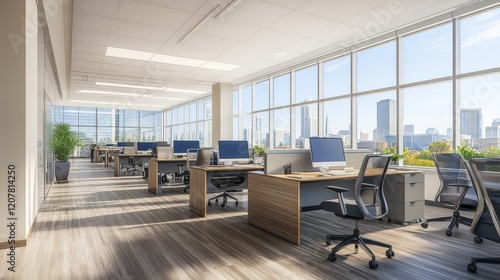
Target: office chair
<point x="133" y="166"/>
<point x="202" y="156"/>
<point x="226" y="183"/>
<point x="485" y="174"/>
<point x="367" y="202"/>
<point x="455" y="189"/>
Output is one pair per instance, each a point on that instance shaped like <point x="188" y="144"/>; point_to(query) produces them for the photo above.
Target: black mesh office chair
<point x="486" y="223"/>
<point x="367" y="202"/>
<point x="455" y="189"/>
<point x="226" y="183"/>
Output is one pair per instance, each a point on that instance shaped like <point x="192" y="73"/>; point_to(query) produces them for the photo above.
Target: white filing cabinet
<point x="405" y="195"/>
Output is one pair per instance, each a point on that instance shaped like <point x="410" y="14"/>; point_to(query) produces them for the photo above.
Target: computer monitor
<point x="181" y="146"/>
<point x="125" y="144"/>
<point x="145" y="146"/>
<point x="109" y="145"/>
<point x="231" y="151"/>
<point x="327" y="153"/>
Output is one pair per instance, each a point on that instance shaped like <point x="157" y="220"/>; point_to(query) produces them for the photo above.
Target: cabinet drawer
<point x="404" y="192"/>
<point x="405" y="178"/>
<point x="405" y="212"/>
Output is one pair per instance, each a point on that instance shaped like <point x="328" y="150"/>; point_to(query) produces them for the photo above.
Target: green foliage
<point x="440" y="147"/>
<point x="63" y="141"/>
<point x="424" y="154"/>
<point x="467" y="152"/>
<point x="392" y="150"/>
<point x="259" y="150"/>
<point x="490" y="152"/>
<point x="417" y="158"/>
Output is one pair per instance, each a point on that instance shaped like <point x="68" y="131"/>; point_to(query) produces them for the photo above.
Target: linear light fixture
<point x="115" y="103"/>
<point x="167" y="98"/>
<point x="219" y="66"/>
<point x="229" y="7"/>
<point x="108" y="92"/>
<point x="126" y="86"/>
<point x="177" y="60"/>
<point x="185" y="90"/>
<point x="197" y="26"/>
<point x="127" y="53"/>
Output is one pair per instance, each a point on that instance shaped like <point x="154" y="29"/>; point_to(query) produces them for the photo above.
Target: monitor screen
<point x="110" y="145"/>
<point x="125" y="144"/>
<point x="233" y="151"/>
<point x="327" y="152"/>
<point x="145" y="146"/>
<point x="181" y="146"/>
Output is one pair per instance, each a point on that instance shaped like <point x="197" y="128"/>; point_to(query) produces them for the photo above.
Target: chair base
<point x="471" y="267"/>
<point x="456" y="219"/>
<point x="224" y="196"/>
<point x="357" y="240"/>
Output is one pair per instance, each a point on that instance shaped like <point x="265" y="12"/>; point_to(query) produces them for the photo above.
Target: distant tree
<point x="424" y="154"/>
<point x="490" y="152"/>
<point x="440" y="147"/>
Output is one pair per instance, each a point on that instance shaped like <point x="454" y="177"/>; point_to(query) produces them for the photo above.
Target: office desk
<point x="200" y="177"/>
<point x="161" y="165"/>
<point x="276" y="201"/>
<point x="123" y="159"/>
<point x="106" y="154"/>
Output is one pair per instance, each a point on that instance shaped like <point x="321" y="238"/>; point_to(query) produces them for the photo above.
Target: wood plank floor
<point x="99" y="226"/>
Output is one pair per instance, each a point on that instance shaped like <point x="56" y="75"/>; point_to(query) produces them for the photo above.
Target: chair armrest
<point x="367" y="186"/>
<point x="337" y="189"/>
<point x="459" y="185"/>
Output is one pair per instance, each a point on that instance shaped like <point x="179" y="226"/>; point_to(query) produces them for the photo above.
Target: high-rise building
<point x="409" y="130"/>
<point x="308" y="121"/>
<point x="493" y="131"/>
<point x="386" y="120"/>
<point x="471" y="123"/>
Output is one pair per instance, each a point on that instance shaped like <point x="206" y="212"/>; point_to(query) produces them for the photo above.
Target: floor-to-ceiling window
<point x="429" y="88"/>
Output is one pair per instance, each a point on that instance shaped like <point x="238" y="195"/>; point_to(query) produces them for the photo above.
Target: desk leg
<point x="274" y="206"/>
<point x="198" y="192"/>
<point x="106" y="164"/>
<point x="153" y="185"/>
<point x="117" y="166"/>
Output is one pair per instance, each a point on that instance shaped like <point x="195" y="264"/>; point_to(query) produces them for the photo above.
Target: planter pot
<point x="61" y="171"/>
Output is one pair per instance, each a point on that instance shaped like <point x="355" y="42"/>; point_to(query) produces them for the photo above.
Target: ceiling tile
<point x="120" y="68"/>
<point x="190" y="6"/>
<point x="93" y="23"/>
<point x="85" y="64"/>
<point x="106" y="8"/>
<point x="273" y="39"/>
<point x="339" y="10"/>
<point x="90" y="37"/>
<point x="336" y="33"/>
<point x="209" y="43"/>
<point x="246" y="12"/>
<point x="88" y="48"/>
<point x="227" y="30"/>
<point x="301" y="24"/>
<point x="152" y="15"/>
<point x="124" y="61"/>
<point x="183" y="51"/>
<point x="134" y="44"/>
<point x="81" y="56"/>
<point x="141" y="31"/>
<point x="305" y="46"/>
<point x="289" y="4"/>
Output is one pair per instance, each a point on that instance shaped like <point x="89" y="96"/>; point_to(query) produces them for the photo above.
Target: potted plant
<point x="63" y="143"/>
<point x="258" y="154"/>
<point x="395" y="157"/>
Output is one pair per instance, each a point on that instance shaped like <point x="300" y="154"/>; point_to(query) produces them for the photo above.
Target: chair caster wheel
<point x="448" y="233"/>
<point x="332" y="257"/>
<point x="209" y="203"/>
<point x="329" y="242"/>
<point x="389" y="253"/>
<point x="184" y="190"/>
<point x="373" y="264"/>
<point x="222" y="205"/>
<point x="216" y="200"/>
<point x="424" y="225"/>
<point x="478" y="239"/>
<point x="236" y="203"/>
<point x="472" y="267"/>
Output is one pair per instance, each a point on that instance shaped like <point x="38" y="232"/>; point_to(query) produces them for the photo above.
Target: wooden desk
<point x="123" y="159"/>
<point x="276" y="201"/>
<point x="106" y="154"/>
<point x="200" y="178"/>
<point x="161" y="165"/>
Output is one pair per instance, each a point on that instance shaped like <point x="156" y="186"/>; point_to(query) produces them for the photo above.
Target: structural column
<point x="222" y="112"/>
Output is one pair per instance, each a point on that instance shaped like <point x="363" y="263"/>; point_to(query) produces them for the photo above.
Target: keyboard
<point x="342" y="172"/>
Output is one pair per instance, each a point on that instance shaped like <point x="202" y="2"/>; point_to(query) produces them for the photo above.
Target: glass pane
<point x="174" y="116"/>
<point x="58" y="114"/>
<point x="207" y="134"/>
<point x="120" y="117"/>
<point x="87" y="116"/>
<point x="261" y="129"/>
<point x="246" y="99"/>
<point x="175" y="135"/>
<point x="186" y="113"/>
<point x="235" y="102"/>
<point x="201" y="110"/>
<point x="201" y="131"/>
<point x="306" y="84"/>
<point x="479" y="116"/>
<point x="480" y="41"/>
<point x="168" y="117"/>
<point x="180" y="115"/>
<point x="71" y="115"/>
<point x="192" y="132"/>
<point x="428" y="118"/>
<point x="208" y="109"/>
<point x="281" y="123"/>
<point x="105" y="134"/>
<point x="376" y="120"/>
<point x="192" y="112"/>
<point x="376" y="67"/>
<point x="148" y="134"/>
<point x="306" y="124"/>
<point x="180" y="132"/>
<point x="148" y="118"/>
<point x="246" y="126"/>
<point x="337" y="119"/>
<point x="87" y="134"/>
<point x="428" y="54"/>
<point x="131" y="134"/>
<point x="105" y="117"/>
<point x="262" y="95"/>
<point x="281" y="90"/>
<point x="235" y="128"/>
<point x="337" y="77"/>
<point x="168" y="134"/>
<point x="132" y="118"/>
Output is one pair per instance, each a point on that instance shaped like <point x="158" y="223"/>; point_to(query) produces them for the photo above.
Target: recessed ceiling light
<point x="177" y="60"/>
<point x="167" y="98"/>
<point x="115" y="103"/>
<point x="126" y="53"/>
<point x="108" y="92"/>
<point x="185" y="90"/>
<point x="127" y="86"/>
<point x="219" y="66"/>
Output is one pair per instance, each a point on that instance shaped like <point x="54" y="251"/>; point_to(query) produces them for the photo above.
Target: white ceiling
<point x="254" y="34"/>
